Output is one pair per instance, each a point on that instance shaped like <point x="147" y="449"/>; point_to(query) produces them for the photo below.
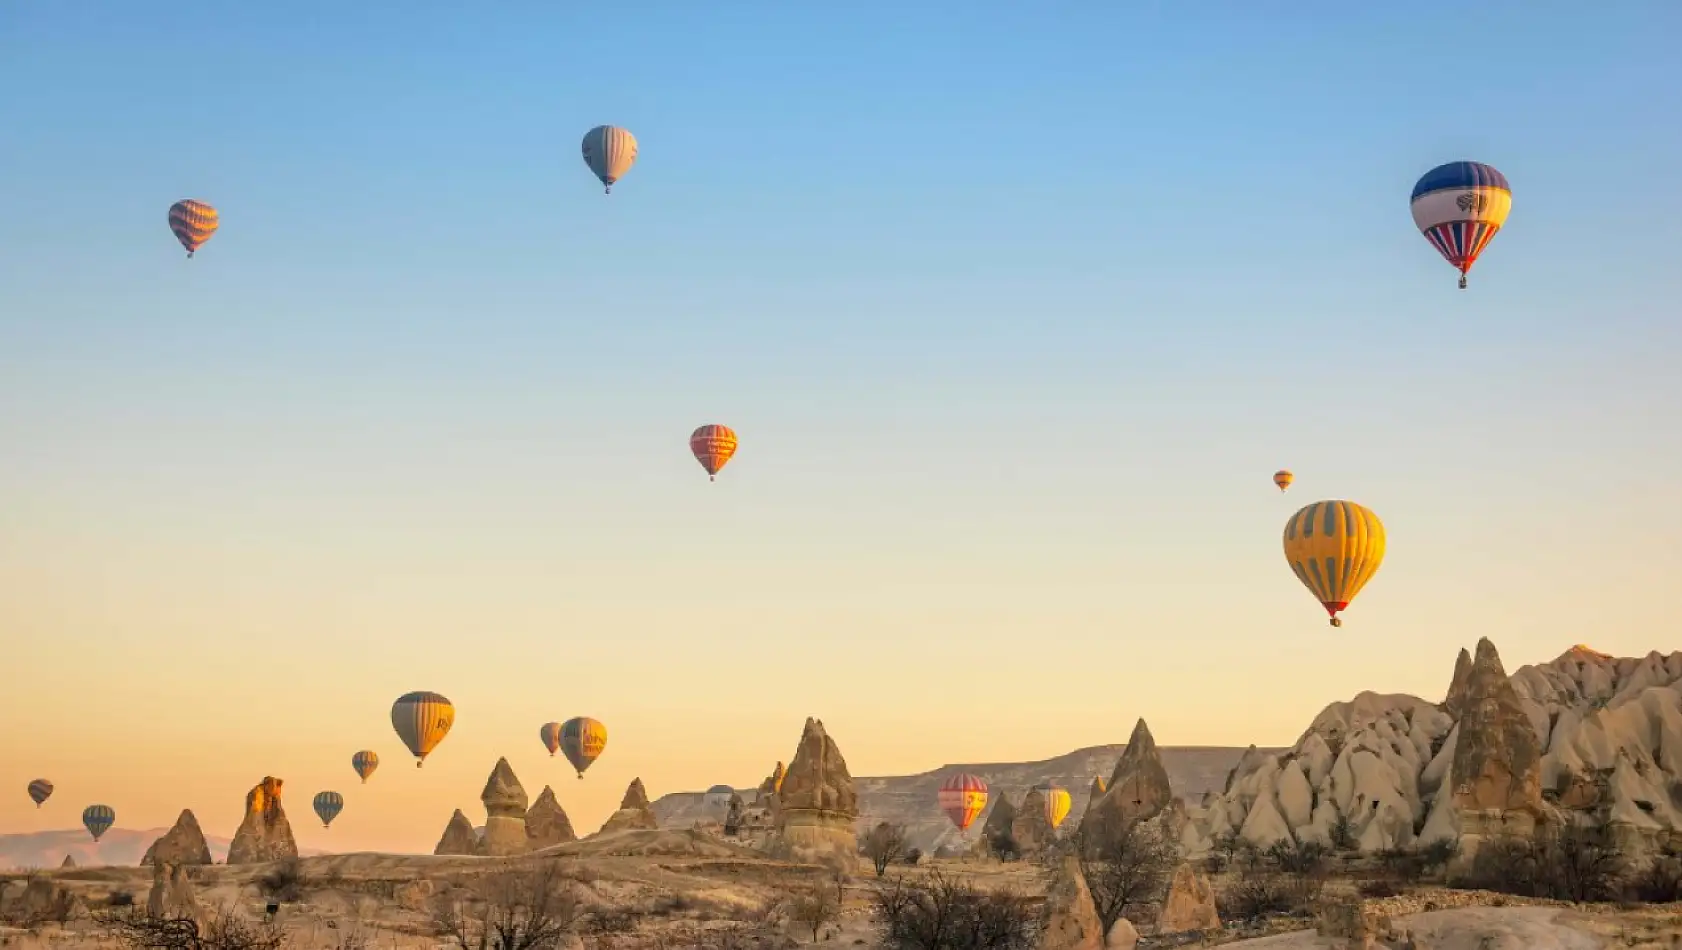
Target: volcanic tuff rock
<point x="547" y="823"/>
<point x="182" y="844"/>
<point x="1030" y="828"/>
<point x="818" y="805"/>
<point x="68" y="862"/>
<point x="1138" y="787"/>
<point x="1190" y="904"/>
<point x="265" y="834"/>
<point x="505" y="811"/>
<point x="172" y="893"/>
<point x="459" y="837"/>
<point x="633" y="812"/>
<point x="1599" y="733"/>
<point x="1071" y="920"/>
<point x="1000" y="817"/>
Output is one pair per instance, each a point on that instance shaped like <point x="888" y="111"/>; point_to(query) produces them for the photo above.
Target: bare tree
<point x="814" y="907"/>
<point x="946" y="913"/>
<point x="885" y="844"/>
<point x="526" y="909"/>
<point x="1126" y="863"/>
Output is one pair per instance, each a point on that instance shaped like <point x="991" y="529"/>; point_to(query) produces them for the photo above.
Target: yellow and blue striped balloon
<point x="1459" y="207"/>
<point x="327" y="807"/>
<point x="98" y="819"/>
<point x="609" y="151"/>
<point x="422" y="720"/>
<point x="365" y="762"/>
<point x="1334" y="548"/>
<point x="193" y="222"/>
<point x="39" y="791"/>
<point x="582" y="740"/>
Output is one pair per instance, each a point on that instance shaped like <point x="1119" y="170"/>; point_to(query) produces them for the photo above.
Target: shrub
<point x="885" y="844"/>
<point x="1660" y="882"/>
<point x="526" y="909"/>
<point x="945" y="913"/>
<point x="224" y="929"/>
<point x="284" y="882"/>
<point x="120" y="898"/>
<point x="1126" y="864"/>
<point x="815" y="907"/>
<point x="1575" y="863"/>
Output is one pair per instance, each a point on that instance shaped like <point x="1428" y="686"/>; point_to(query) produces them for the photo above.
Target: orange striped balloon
<point x="193" y="223"/>
<point x="963" y="798"/>
<point x="713" y="446"/>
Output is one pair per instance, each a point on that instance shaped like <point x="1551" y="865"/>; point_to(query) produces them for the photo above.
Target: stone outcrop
<point x="1190" y="904"/>
<point x="68" y="862"/>
<point x="1031" y="829"/>
<point x="634" y="811"/>
<point x="505" y="813"/>
<point x="1455" y="702"/>
<point x="1071" y="921"/>
<point x="999" y="820"/>
<point x="459" y="838"/>
<point x="547" y="823"/>
<point x="265" y="834"/>
<point x="183" y="844"/>
<point x="817" y="804"/>
<point x="1138" y="788"/>
<point x="172" y="895"/>
<point x="44" y="900"/>
<point x="735" y="814"/>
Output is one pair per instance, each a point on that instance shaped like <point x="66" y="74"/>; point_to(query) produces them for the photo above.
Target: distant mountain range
<point x="119" y="846"/>
<point x="910" y="799"/>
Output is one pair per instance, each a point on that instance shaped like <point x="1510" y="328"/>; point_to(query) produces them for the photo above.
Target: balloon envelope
<point x="609" y="151"/>
<point x="39" y="791"/>
<point x="327" y="807"/>
<point x="582" y="741"/>
<point x="1459" y="207"/>
<point x="98" y="819"/>
<point x="963" y="797"/>
<point x="365" y="762"/>
<point x="1057" y="803"/>
<point x="193" y="222"/>
<point x="1334" y="548"/>
<point x="1283" y="478"/>
<point x="713" y="446"/>
<point x="550" y="733"/>
<point x="422" y="720"/>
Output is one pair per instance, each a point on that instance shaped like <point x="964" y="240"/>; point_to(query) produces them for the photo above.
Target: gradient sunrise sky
<point x="1015" y="307"/>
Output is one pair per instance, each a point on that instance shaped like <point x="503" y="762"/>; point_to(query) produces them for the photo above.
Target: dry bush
<point x="120" y="898"/>
<point x="1126" y="865"/>
<point x="525" y="909"/>
<point x="1575" y="863"/>
<point x="223" y="929"/>
<point x="1660" y="882"/>
<point x="285" y="882"/>
<point x="815" y="907"/>
<point x="945" y="913"/>
<point x="1285" y="879"/>
<point x="885" y="844"/>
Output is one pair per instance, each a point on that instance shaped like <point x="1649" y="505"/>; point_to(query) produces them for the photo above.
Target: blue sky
<point x="1015" y="307"/>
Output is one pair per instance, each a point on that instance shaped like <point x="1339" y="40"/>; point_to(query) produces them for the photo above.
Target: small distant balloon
<point x="39" y="791"/>
<point x="550" y="733"/>
<point x="609" y="151"/>
<point x="1459" y="207"/>
<point x="1283" y="478"/>
<point x="582" y="741"/>
<point x="327" y="807"/>
<point x="98" y="819"/>
<point x="422" y="720"/>
<point x="365" y="762"/>
<point x="1334" y="548"/>
<point x="963" y="798"/>
<point x="193" y="223"/>
<point x="713" y="446"/>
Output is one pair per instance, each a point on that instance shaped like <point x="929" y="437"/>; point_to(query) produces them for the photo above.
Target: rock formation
<point x="633" y="811"/>
<point x="44" y="900"/>
<point x="1190" y="904"/>
<point x="68" y="862"/>
<point x="734" y="816"/>
<point x="1030" y="828"/>
<point x="1071" y="921"/>
<point x="505" y="813"/>
<point x="183" y="844"/>
<point x="172" y="894"/>
<point x="817" y="804"/>
<point x="1583" y="737"/>
<point x="265" y="834"/>
<point x="1138" y="788"/>
<point x="997" y="827"/>
<point x="547" y="823"/>
<point x="459" y="837"/>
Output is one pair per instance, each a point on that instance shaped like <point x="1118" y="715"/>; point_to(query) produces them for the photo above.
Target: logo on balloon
<point x="1471" y="201"/>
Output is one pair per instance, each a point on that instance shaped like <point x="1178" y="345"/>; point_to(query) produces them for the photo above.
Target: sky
<point x="1015" y="309"/>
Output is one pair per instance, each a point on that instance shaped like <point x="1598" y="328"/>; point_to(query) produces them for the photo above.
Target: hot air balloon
<point x="1459" y="207"/>
<point x="327" y="807"/>
<point x="98" y="819"/>
<point x="582" y="741"/>
<point x="609" y="151"/>
<point x="39" y="791"/>
<point x="1283" y="478"/>
<point x="365" y="762"/>
<point x="1334" y="547"/>
<point x="963" y="797"/>
<point x="713" y="445"/>
<point x="422" y="720"/>
<point x="1057" y="803"/>
<point x="550" y="733"/>
<point x="193" y="223"/>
